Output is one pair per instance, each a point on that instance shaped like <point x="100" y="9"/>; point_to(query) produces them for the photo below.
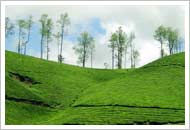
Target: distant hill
<point x="46" y="92"/>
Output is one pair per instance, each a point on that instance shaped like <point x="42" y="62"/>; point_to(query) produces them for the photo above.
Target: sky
<point x="100" y="22"/>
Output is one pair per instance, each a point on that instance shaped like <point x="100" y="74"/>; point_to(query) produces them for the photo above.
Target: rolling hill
<point x="46" y="92"/>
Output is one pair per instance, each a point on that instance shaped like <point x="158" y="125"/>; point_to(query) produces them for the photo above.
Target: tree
<point x="112" y="45"/>
<point x="135" y="57"/>
<point x="43" y="21"/>
<point x="125" y="50"/>
<point x="9" y="27"/>
<point x="92" y="49"/>
<point x="63" y="21"/>
<point x="48" y="34"/>
<point x="28" y="26"/>
<point x="160" y="35"/>
<point x="130" y="40"/>
<point x="120" y="45"/>
<point x="172" y="38"/>
<point x="57" y="37"/>
<point x="21" y="25"/>
<point x="83" y="48"/>
<point x="118" y="40"/>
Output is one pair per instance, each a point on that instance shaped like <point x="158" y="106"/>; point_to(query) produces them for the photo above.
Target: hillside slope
<point x="45" y="92"/>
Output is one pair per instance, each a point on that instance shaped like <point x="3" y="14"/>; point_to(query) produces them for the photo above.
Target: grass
<point x="152" y="94"/>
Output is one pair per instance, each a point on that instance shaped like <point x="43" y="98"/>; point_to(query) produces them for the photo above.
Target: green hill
<point x="46" y="92"/>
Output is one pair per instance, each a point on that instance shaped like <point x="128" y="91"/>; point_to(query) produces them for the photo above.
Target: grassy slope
<point x="93" y="96"/>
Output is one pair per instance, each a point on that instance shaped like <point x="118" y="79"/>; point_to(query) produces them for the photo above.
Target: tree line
<point x="169" y="37"/>
<point x="121" y="44"/>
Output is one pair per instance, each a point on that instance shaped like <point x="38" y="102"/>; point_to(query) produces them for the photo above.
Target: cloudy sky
<point x="100" y="22"/>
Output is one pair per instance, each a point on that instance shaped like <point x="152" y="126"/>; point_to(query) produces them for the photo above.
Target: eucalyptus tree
<point x="43" y="21"/>
<point x="172" y="38"/>
<point x="121" y="43"/>
<point x="29" y="23"/>
<point x="112" y="45"/>
<point x="92" y="49"/>
<point x="63" y="21"/>
<point x="9" y="27"/>
<point x="57" y="37"/>
<point x="130" y="42"/>
<point x="136" y="55"/>
<point x="83" y="48"/>
<point x="22" y="25"/>
<point x="125" y="50"/>
<point x="118" y="40"/>
<point x="48" y="34"/>
<point x="160" y="35"/>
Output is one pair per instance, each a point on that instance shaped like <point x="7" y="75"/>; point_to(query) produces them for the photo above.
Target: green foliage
<point x="120" y="46"/>
<point x="118" y="40"/>
<point x="136" y="55"/>
<point x="113" y="45"/>
<point x="9" y="27"/>
<point x="84" y="47"/>
<point x="43" y="21"/>
<point x="22" y="25"/>
<point x="160" y="35"/>
<point x="64" y="21"/>
<point x="172" y="38"/>
<point x="29" y="23"/>
<point x="46" y="32"/>
<point x="132" y="49"/>
<point x="113" y="41"/>
<point x="168" y="34"/>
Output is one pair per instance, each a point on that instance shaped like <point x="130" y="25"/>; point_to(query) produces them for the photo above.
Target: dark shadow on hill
<point x="177" y="65"/>
<point x="117" y="105"/>
<point x="24" y="79"/>
<point x="139" y="123"/>
<point x="28" y="101"/>
<point x="154" y="123"/>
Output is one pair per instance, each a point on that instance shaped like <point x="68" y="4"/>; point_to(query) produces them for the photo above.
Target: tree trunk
<point x="162" y="51"/>
<point x="91" y="58"/>
<point x="25" y="48"/>
<point x="125" y="57"/>
<point x="121" y="55"/>
<point x="19" y="40"/>
<point x="48" y="36"/>
<point x="42" y="38"/>
<point x="112" y="58"/>
<point x="170" y="48"/>
<point x="6" y="24"/>
<point x="27" y="39"/>
<point x="84" y="56"/>
<point x="62" y="31"/>
<point x="118" y="58"/>
<point x="170" y="51"/>
<point x="58" y="50"/>
<point x="131" y="55"/>
<point x="47" y="49"/>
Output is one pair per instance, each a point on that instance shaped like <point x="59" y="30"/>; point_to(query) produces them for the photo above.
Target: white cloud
<point x="68" y="53"/>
